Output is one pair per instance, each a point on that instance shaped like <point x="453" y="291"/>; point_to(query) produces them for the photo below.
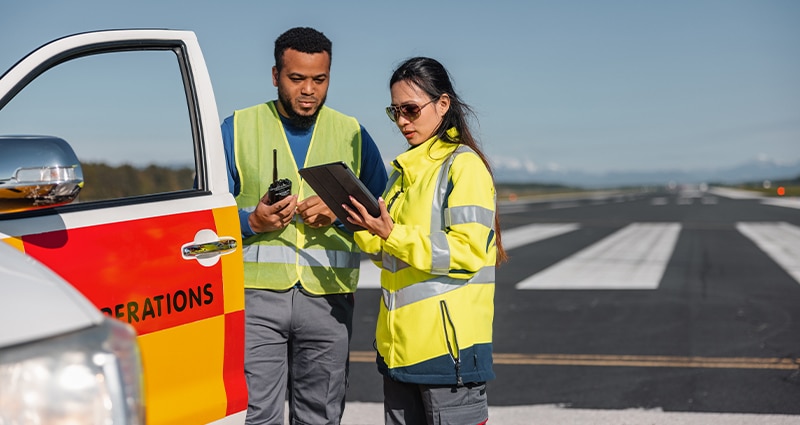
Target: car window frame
<point x="180" y="50"/>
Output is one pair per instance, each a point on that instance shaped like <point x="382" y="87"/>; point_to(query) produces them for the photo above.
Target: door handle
<point x="222" y="246"/>
<point x="207" y="247"/>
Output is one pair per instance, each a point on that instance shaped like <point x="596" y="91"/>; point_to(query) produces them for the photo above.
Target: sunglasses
<point x="409" y="111"/>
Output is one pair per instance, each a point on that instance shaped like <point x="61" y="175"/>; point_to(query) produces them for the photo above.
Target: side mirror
<point x="37" y="172"/>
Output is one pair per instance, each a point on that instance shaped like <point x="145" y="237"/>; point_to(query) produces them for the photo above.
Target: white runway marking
<point x="632" y="258"/>
<point x="524" y="235"/>
<point x="781" y="241"/>
<point x="370" y="275"/>
<point x="791" y="202"/>
<point x="735" y="193"/>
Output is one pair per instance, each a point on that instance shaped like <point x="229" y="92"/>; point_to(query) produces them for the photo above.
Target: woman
<point x="437" y="242"/>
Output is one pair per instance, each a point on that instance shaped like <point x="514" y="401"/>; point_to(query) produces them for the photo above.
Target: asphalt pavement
<point x="710" y="339"/>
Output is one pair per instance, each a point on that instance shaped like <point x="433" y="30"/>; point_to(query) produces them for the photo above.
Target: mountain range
<point x="750" y="171"/>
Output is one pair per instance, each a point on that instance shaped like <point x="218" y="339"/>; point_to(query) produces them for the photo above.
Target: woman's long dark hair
<point x="432" y="78"/>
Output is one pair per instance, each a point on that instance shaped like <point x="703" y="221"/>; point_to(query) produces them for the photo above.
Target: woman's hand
<point x="381" y="226"/>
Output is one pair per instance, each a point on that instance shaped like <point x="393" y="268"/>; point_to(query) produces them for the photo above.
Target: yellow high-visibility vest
<point x="323" y="260"/>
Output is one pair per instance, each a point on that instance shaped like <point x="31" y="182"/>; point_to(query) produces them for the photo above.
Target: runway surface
<point x="634" y="306"/>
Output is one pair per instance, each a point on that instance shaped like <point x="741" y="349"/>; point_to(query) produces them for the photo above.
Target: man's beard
<point x="297" y="120"/>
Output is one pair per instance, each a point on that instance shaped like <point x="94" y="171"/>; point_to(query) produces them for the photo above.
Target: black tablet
<point x="335" y="183"/>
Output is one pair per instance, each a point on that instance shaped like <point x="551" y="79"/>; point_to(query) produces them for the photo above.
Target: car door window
<point x="124" y="113"/>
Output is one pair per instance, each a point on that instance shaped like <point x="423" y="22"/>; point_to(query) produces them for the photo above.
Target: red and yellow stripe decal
<point x="189" y="317"/>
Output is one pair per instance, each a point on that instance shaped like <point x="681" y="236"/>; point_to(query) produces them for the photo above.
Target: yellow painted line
<point x="362" y="356"/>
<point x="603" y="360"/>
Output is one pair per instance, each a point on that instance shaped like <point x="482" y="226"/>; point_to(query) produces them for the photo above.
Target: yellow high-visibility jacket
<point x="324" y="260"/>
<point x="437" y="267"/>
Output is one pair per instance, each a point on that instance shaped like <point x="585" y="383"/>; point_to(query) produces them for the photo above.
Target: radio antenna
<point x="274" y="165"/>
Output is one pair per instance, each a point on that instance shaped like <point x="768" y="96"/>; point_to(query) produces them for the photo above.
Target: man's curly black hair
<point x="302" y="39"/>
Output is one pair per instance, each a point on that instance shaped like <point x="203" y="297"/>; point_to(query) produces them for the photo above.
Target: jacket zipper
<point x="402" y="185"/>
<point x="455" y="354"/>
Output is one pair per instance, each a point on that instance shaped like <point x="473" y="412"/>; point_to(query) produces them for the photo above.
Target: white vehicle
<point x="161" y="258"/>
<point x="83" y="368"/>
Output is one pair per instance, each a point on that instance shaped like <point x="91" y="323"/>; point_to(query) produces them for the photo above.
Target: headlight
<point x="93" y="376"/>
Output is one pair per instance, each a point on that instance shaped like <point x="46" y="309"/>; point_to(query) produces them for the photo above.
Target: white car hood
<point x="36" y="303"/>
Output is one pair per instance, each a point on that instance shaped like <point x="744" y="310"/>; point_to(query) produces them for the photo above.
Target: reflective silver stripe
<point x="440" y="248"/>
<point x="311" y="257"/>
<point x="440" y="253"/>
<point x="392" y="263"/>
<point x="433" y="287"/>
<point x="375" y="257"/>
<point x="392" y="178"/>
<point x="329" y="258"/>
<point x="440" y="194"/>
<point x="269" y="254"/>
<point x="469" y="214"/>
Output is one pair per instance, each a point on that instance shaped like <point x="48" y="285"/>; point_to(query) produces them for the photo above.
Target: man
<point x="301" y="265"/>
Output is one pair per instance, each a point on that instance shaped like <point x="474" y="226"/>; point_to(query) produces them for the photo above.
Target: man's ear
<point x="275" y="76"/>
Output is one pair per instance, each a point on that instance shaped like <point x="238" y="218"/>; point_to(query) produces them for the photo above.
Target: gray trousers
<point x="418" y="404"/>
<point x="296" y="344"/>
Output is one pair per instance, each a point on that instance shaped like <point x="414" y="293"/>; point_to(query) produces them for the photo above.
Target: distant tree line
<point x="515" y="190"/>
<point x="102" y="181"/>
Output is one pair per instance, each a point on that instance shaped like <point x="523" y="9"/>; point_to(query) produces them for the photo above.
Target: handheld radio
<point x="278" y="189"/>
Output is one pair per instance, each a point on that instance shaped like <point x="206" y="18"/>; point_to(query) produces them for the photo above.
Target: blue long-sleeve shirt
<point x="373" y="171"/>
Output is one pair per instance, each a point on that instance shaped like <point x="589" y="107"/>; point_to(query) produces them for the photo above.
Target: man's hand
<point x="268" y="218"/>
<point x="314" y="212"/>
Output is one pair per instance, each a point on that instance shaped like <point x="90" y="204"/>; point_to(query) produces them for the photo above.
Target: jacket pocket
<point x="451" y="338"/>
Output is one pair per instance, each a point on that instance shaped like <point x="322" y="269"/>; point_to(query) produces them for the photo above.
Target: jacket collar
<point x="427" y="154"/>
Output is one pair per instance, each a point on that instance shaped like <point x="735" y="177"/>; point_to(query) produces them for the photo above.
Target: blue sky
<point x="595" y="86"/>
